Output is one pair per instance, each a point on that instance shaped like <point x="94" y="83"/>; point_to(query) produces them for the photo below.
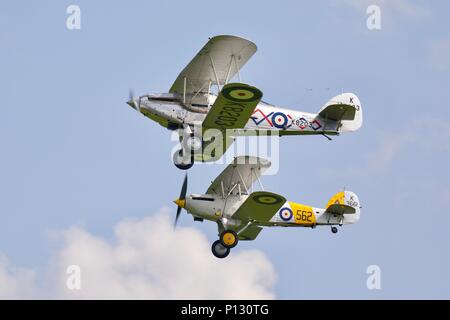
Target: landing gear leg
<point x="191" y="144"/>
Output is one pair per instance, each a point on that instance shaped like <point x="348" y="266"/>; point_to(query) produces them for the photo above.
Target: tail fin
<point x="345" y="108"/>
<point x="344" y="202"/>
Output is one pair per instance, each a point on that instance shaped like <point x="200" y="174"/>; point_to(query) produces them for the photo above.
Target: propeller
<point x="181" y="201"/>
<point x="132" y="102"/>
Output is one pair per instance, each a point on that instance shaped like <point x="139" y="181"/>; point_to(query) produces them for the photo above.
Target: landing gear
<point x="229" y="238"/>
<point x="219" y="250"/>
<point x="180" y="162"/>
<point x="191" y="144"/>
<point x="334" y="229"/>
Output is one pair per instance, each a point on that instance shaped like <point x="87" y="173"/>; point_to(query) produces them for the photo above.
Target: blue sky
<point x="74" y="154"/>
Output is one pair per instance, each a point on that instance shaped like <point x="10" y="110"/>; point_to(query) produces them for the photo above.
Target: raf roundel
<point x="267" y="199"/>
<point x="286" y="214"/>
<point x="240" y="93"/>
<point x="279" y="120"/>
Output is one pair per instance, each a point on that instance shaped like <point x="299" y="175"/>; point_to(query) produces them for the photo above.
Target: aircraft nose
<point x="180" y="202"/>
<point x="132" y="103"/>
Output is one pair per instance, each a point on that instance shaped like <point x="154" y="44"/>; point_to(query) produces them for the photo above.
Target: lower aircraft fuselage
<point x="291" y="214"/>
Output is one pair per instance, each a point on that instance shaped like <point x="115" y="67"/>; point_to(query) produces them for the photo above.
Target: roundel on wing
<point x="285" y="214"/>
<point x="267" y="199"/>
<point x="239" y="93"/>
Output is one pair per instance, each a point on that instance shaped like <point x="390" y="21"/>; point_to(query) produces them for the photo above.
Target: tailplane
<point x="344" y="202"/>
<point x="346" y="109"/>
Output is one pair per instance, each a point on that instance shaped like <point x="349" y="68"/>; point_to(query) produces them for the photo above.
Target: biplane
<point x="203" y="100"/>
<point x="241" y="213"/>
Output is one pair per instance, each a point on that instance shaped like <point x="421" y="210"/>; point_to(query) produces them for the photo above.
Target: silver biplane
<point x="202" y="99"/>
<point x="241" y="213"/>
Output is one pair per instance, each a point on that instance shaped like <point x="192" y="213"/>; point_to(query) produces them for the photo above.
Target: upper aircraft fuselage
<point x="169" y="110"/>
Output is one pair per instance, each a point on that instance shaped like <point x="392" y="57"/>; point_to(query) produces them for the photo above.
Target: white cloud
<point x="15" y="282"/>
<point x="148" y="260"/>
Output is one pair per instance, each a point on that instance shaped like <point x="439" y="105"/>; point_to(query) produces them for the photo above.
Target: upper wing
<point x="218" y="61"/>
<point x="238" y="175"/>
<point x="233" y="107"/>
<point x="260" y="206"/>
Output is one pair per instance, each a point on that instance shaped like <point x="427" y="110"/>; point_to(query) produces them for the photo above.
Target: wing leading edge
<point x="216" y="63"/>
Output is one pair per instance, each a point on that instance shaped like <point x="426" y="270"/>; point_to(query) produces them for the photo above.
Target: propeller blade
<point x="181" y="199"/>
<point x="184" y="188"/>
<point x="130" y="94"/>
<point x="132" y="102"/>
<point x="177" y="216"/>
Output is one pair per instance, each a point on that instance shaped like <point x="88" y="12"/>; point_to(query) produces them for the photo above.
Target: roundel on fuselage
<point x="285" y="214"/>
<point x="279" y="120"/>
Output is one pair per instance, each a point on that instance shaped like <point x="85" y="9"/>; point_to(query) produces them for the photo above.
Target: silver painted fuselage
<point x="265" y="118"/>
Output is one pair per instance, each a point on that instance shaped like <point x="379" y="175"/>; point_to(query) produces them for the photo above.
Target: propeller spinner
<point x="132" y="102"/>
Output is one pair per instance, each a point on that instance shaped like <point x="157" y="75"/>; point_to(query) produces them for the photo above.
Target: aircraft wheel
<point x="334" y="229"/>
<point x="178" y="161"/>
<point x="218" y="250"/>
<point x="229" y="238"/>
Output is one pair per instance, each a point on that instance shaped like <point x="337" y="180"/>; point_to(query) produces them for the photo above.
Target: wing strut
<point x="251" y="179"/>
<point x="238" y="72"/>
<point x="231" y="190"/>
<point x="209" y="92"/>
<point x="223" y="189"/>
<point x="229" y="69"/>
<point x="184" y="90"/>
<point x="242" y="180"/>
<point x="200" y="90"/>
<point x="249" y="224"/>
<point x="260" y="184"/>
<point x="215" y="72"/>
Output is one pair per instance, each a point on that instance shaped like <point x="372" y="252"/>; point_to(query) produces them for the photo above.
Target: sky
<point x="85" y="180"/>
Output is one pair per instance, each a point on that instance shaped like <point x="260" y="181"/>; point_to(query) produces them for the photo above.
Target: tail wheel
<point x="229" y="238"/>
<point x="219" y="251"/>
<point x="334" y="229"/>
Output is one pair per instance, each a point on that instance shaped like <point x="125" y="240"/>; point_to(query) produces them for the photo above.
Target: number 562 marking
<point x="303" y="215"/>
